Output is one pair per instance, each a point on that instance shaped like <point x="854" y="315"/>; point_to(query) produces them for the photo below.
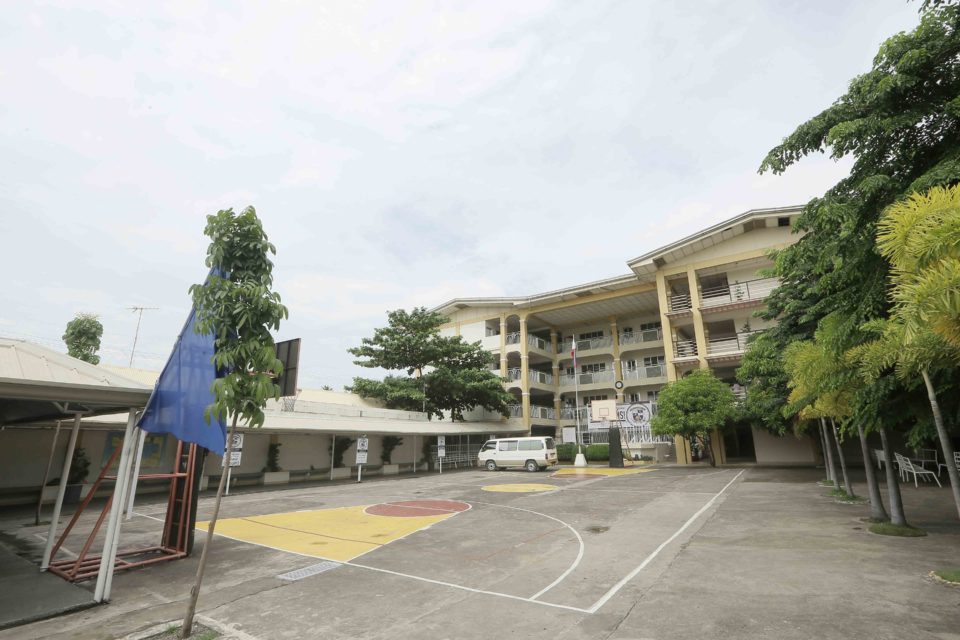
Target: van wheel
<point x="531" y="466"/>
<point x="491" y="465"/>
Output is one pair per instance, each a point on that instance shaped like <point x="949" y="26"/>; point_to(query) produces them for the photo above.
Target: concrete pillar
<point x="617" y="366"/>
<point x="698" y="327"/>
<point x="666" y="328"/>
<point x="503" y="345"/>
<point x="525" y="372"/>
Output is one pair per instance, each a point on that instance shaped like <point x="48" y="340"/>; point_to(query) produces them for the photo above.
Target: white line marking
<point x="633" y="574"/>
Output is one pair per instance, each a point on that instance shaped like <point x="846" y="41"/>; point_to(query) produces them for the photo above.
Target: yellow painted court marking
<point x="598" y="471"/>
<point x="520" y="488"/>
<point x="340" y="534"/>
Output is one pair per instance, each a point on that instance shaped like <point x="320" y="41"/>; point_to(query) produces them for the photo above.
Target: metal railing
<point x="679" y="301"/>
<point x="685" y="348"/>
<point x="737" y="292"/>
<point x="647" y="335"/>
<point x="514" y="374"/>
<point x="541" y="376"/>
<point x="731" y="344"/>
<point x="538" y="343"/>
<point x="570" y="413"/>
<point x="516" y="410"/>
<point x="585" y="345"/>
<point x="640" y="373"/>
<point x="544" y="413"/>
<point x="593" y="377"/>
<point x="457" y="454"/>
<point x="739" y="392"/>
<point x="512" y="337"/>
<point x="633" y="435"/>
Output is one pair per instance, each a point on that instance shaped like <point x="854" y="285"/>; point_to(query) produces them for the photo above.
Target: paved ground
<point x="673" y="552"/>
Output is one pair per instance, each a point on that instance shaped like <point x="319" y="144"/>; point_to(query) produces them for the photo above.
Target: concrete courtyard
<point x="664" y="552"/>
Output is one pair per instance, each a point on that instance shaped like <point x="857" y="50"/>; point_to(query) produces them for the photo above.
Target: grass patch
<point x="948" y="575"/>
<point x="825" y="483"/>
<point x="889" y="529"/>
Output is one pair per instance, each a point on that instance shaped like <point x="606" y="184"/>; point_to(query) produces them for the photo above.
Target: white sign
<point x="237" y="442"/>
<point x="234" y="459"/>
<point x="635" y="415"/>
<point x="570" y="434"/>
<point x="361" y="457"/>
<point x="363" y="444"/>
<point x="441" y="446"/>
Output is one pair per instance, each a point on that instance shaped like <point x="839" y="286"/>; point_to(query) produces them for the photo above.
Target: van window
<point x="508" y="445"/>
<point x="550" y="444"/>
<point x="531" y="445"/>
<point x="490" y="445"/>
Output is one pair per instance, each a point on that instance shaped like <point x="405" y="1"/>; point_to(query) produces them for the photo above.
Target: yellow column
<point x="503" y="345"/>
<point x="525" y="372"/>
<point x="555" y="369"/>
<point x="698" y="327"/>
<point x="681" y="446"/>
<point x="617" y="365"/>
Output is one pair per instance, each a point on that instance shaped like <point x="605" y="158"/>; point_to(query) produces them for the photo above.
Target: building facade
<point x="686" y="305"/>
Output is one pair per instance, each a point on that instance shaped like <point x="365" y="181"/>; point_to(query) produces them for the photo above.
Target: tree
<point x="387" y="445"/>
<point x="694" y="406"/>
<point x="238" y="307"/>
<point x="761" y="371"/>
<point x="452" y="376"/>
<point x="82" y="337"/>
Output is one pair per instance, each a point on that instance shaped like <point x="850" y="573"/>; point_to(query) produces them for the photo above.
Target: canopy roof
<point x="37" y="383"/>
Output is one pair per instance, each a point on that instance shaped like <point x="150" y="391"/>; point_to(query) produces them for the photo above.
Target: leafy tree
<point x="694" y="406"/>
<point x="237" y="305"/>
<point x="452" y="376"/>
<point x="82" y="337"/>
<point x="340" y="446"/>
<point x="762" y="372"/>
<point x="387" y="445"/>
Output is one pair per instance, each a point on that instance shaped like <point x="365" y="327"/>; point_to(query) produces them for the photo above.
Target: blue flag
<point x="182" y="393"/>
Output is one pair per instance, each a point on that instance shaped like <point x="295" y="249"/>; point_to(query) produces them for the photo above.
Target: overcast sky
<point x="400" y="153"/>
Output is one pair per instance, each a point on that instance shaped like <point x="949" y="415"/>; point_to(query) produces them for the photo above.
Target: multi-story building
<point x="686" y="305"/>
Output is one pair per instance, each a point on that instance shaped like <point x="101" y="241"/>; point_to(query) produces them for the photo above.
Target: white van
<point x="533" y="454"/>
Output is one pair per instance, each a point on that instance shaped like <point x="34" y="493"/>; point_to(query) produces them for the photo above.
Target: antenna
<point x="136" y="334"/>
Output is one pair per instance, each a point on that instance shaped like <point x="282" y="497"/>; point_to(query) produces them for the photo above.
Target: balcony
<point x="570" y="413"/>
<point x="582" y="379"/>
<point x="512" y="338"/>
<point x="644" y="373"/>
<point x="538" y="343"/>
<point x="514" y="374"/>
<point x="677" y="302"/>
<point x="732" y="345"/>
<point x="739" y="392"/>
<point x="516" y="410"/>
<point x="586" y="345"/>
<point x="541" y="377"/>
<point x="639" y="337"/>
<point x="685" y="349"/>
<point x="543" y="413"/>
<point x="739" y="292"/>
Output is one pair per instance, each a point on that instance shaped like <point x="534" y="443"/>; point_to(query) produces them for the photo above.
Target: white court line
<point x="633" y="574"/>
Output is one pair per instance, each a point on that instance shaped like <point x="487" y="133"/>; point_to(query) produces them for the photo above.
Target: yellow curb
<point x="519" y="488"/>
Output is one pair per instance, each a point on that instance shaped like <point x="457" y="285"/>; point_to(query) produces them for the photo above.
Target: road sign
<point x="234" y="459"/>
<point x="441" y="446"/>
<point x="363" y="444"/>
<point x="237" y="442"/>
<point x="361" y="457"/>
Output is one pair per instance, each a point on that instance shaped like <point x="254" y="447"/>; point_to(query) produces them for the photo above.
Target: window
<point x="627" y="330"/>
<point x="630" y="365"/>
<point x="652" y="361"/>
<point x="597" y="367"/>
<point x="489" y="446"/>
<point x="783" y="222"/>
<point x="590" y="335"/>
<point x="571" y="371"/>
<point x="549" y="443"/>
<point x="508" y="445"/>
<point x="644" y="326"/>
<point x="588" y="399"/>
<point x="531" y="445"/>
<point x="633" y="397"/>
<point x="652" y="396"/>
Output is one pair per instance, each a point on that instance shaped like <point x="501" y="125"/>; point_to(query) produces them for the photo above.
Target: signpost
<point x="235" y="455"/>
<point x="363" y="444"/>
<point x="441" y="450"/>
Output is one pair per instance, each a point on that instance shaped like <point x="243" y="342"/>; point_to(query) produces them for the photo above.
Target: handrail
<point x="514" y="374"/>
<point x="730" y="344"/>
<point x="653" y="371"/>
<point x="647" y="335"/>
<point x="593" y="377"/>
<point x="685" y="348"/>
<point x="539" y="343"/>
<point x="679" y="301"/>
<point x="737" y="292"/>
<point x="546" y="413"/>
<point x="541" y="376"/>
<point x="585" y="345"/>
<point x="512" y="338"/>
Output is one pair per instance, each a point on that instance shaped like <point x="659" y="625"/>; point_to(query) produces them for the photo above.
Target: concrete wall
<point x="786" y="450"/>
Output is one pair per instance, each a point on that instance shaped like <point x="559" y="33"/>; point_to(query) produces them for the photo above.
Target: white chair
<point x="907" y="467"/>
<point x="927" y="455"/>
<point x="878" y="454"/>
<point x="956" y="461"/>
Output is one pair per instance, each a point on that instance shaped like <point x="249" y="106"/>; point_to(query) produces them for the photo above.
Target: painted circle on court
<point x="520" y="488"/>
<point x="417" y="508"/>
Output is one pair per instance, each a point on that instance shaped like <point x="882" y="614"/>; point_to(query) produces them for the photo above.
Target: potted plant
<point x="388" y="444"/>
<point x="79" y="470"/>
<point x="272" y="473"/>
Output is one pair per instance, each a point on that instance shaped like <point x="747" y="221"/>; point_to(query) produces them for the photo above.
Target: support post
<point x="141" y="439"/>
<point x="109" y="553"/>
<point x="58" y="505"/>
<point x="414" y="453"/>
<point x="333" y="446"/>
<point x="46" y="474"/>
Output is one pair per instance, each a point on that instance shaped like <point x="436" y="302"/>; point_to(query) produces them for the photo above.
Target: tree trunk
<point x="705" y="440"/>
<point x="843" y="461"/>
<point x="835" y="476"/>
<point x="877" y="512"/>
<point x="944" y="440"/>
<point x="825" y="451"/>
<point x="897" y="516"/>
<point x="187" y="627"/>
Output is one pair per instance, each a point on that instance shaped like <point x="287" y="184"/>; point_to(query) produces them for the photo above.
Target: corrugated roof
<point x="28" y="362"/>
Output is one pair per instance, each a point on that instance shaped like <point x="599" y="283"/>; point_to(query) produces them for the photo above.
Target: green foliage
<point x="239" y="308"/>
<point x="82" y="337"/>
<point x="387" y="445"/>
<point x="79" y="467"/>
<point x="948" y="575"/>
<point x="762" y="372"/>
<point x="340" y="447"/>
<point x="451" y="375"/>
<point x="902" y="531"/>
<point x="273" y="457"/>
<point x="693" y="406"/>
<point x="566" y="452"/>
<point x="597" y="452"/>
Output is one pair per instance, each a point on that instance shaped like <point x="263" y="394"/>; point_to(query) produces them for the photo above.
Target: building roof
<point x="37" y="383"/>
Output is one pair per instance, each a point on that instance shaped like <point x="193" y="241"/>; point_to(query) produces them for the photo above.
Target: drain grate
<point x="306" y="572"/>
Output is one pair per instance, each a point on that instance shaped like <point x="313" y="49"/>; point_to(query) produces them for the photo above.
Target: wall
<point x="787" y="450"/>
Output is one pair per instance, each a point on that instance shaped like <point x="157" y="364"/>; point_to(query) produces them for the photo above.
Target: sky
<point x="399" y="154"/>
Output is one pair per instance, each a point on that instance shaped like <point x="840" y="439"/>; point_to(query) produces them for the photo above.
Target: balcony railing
<point x="685" y="348"/>
<point x="593" y="377"/>
<point x="516" y="410"/>
<point x="541" y="376"/>
<point x="739" y="392"/>
<point x="585" y="345"/>
<point x="544" y="413"/>
<point x="731" y="344"/>
<point x="570" y="413"/>
<point x="640" y="373"/>
<point x="514" y="374"/>
<point x="679" y="301"/>
<point x="647" y="335"/>
<point x="538" y="343"/>
<point x="737" y="292"/>
<point x="513" y="338"/>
